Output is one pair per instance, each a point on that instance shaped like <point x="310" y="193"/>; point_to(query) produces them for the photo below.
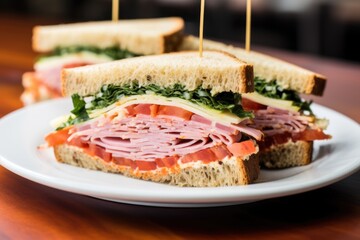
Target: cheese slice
<point x="272" y="102"/>
<point x="80" y="57"/>
<point x="211" y="114"/>
<point x="216" y="116"/>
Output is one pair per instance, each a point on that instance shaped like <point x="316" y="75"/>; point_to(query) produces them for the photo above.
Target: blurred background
<point x="328" y="28"/>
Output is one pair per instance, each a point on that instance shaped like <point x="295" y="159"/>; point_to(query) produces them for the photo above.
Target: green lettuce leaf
<point x="112" y="52"/>
<point x="109" y="94"/>
<point x="272" y="90"/>
<point x="79" y="112"/>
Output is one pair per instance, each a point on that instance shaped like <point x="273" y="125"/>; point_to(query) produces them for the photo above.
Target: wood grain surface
<point x="33" y="211"/>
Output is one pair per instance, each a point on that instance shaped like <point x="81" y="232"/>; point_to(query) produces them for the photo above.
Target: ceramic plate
<point x="23" y="131"/>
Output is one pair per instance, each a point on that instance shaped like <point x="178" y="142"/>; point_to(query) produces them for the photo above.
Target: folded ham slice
<point x="273" y="121"/>
<point x="148" y="138"/>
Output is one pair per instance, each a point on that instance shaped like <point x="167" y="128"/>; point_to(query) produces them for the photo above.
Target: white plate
<point x="23" y="130"/>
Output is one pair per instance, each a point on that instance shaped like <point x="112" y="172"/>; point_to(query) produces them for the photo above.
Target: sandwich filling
<point x="164" y="127"/>
<point x="45" y="82"/>
<point x="282" y="115"/>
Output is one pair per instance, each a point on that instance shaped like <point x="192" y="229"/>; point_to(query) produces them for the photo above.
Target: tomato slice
<point x="220" y="152"/>
<point x="242" y="148"/>
<point x="153" y="110"/>
<point x="57" y="138"/>
<point x="124" y="162"/>
<point x="174" y="111"/>
<point x="205" y="155"/>
<point x="143" y="109"/>
<point x="131" y="110"/>
<point x="73" y="65"/>
<point x="145" y="165"/>
<point x="77" y="142"/>
<point x="100" y="152"/>
<point x="251" y="105"/>
<point x="167" y="161"/>
<point x="311" y="135"/>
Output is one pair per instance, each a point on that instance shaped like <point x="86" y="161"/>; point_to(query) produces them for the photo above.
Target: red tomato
<point x="73" y="65"/>
<point x="131" y="110"/>
<point x="124" y="162"/>
<point x="220" y="152"/>
<point x="159" y="162"/>
<point x="242" y="148"/>
<point x="174" y="111"/>
<point x="170" y="161"/>
<point x="205" y="155"/>
<point x="311" y="135"/>
<point x="100" y="152"/>
<point x="57" y="138"/>
<point x="143" y="109"/>
<point x="153" y="110"/>
<point x="78" y="143"/>
<point x="145" y="165"/>
<point x="251" y="105"/>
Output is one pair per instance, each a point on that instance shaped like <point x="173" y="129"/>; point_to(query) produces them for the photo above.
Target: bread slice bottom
<point x="289" y="154"/>
<point x="227" y="172"/>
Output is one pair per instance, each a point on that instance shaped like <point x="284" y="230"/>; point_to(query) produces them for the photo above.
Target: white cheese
<point x="57" y="122"/>
<point x="80" y="57"/>
<point x="211" y="114"/>
<point x="275" y="103"/>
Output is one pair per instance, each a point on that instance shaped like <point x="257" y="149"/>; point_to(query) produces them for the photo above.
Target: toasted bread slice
<point x="140" y="36"/>
<point x="288" y="75"/>
<point x="290" y="154"/>
<point x="216" y="70"/>
<point x="227" y="172"/>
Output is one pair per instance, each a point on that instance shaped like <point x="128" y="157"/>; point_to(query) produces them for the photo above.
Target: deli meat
<point x="273" y="121"/>
<point x="147" y="138"/>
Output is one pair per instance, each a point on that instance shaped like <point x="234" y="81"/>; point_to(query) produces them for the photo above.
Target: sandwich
<point x="174" y="118"/>
<point x="287" y="121"/>
<point x="79" y="44"/>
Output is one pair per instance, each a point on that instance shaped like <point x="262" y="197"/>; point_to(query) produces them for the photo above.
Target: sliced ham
<point x="142" y="136"/>
<point x="272" y="121"/>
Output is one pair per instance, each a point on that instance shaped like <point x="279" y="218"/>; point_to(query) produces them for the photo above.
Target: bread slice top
<point x="140" y="36"/>
<point x="287" y="75"/>
<point x="215" y="70"/>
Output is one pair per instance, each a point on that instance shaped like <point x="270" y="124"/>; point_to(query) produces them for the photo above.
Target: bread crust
<point x="216" y="70"/>
<point x="228" y="172"/>
<point x="140" y="36"/>
<point x="288" y="75"/>
<point x="289" y="154"/>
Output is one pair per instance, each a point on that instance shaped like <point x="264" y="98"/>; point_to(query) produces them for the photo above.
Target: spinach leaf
<point x="109" y="94"/>
<point x="112" y="52"/>
<point x="79" y="112"/>
<point x="225" y="101"/>
<point x="272" y="90"/>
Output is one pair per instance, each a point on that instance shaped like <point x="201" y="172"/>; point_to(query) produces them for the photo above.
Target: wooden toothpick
<point x="248" y="25"/>
<point x="201" y="28"/>
<point x="115" y="10"/>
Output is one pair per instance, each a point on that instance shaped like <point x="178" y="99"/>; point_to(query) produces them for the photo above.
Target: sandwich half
<point x="289" y="125"/>
<point x="79" y="44"/>
<point x="173" y="118"/>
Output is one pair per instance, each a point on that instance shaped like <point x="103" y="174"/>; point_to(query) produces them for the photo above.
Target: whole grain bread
<point x="228" y="172"/>
<point x="290" y="154"/>
<point x="216" y="70"/>
<point x="288" y="75"/>
<point x="140" y="36"/>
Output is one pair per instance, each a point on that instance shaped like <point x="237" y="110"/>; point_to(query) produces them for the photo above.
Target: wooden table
<point x="32" y="211"/>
